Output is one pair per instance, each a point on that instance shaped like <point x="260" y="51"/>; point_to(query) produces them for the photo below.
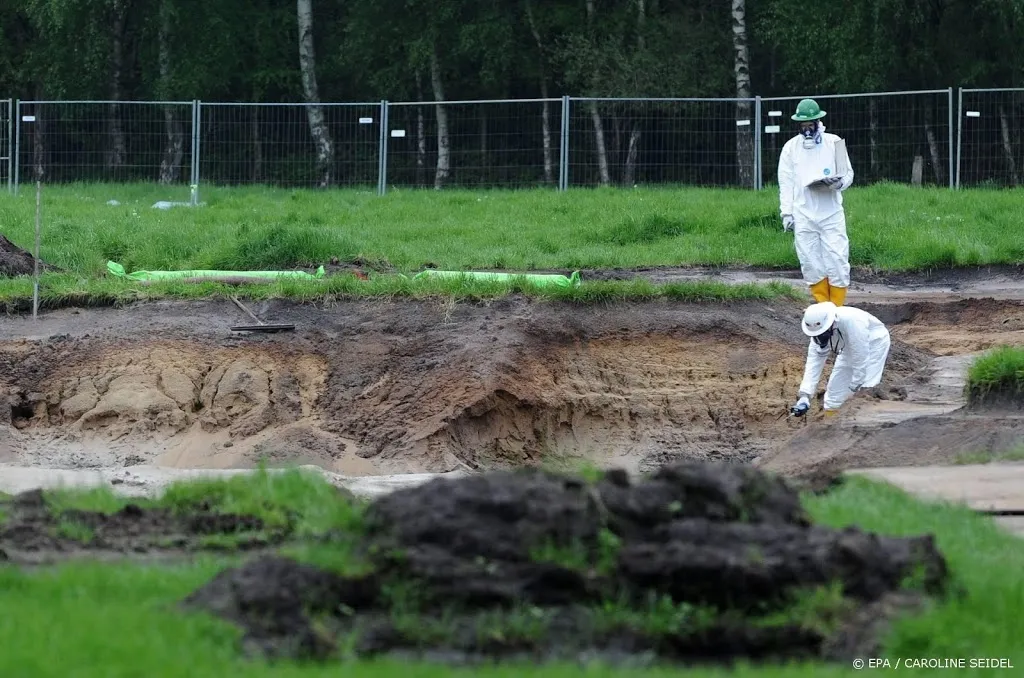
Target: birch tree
<point x="741" y="71"/>
<point x="174" y="145"/>
<point x="314" y="110"/>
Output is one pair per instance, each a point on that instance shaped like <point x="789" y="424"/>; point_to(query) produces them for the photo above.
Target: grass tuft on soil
<point x="997" y="377"/>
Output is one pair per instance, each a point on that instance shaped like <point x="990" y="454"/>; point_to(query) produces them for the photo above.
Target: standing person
<point x="861" y="344"/>
<point x="813" y="173"/>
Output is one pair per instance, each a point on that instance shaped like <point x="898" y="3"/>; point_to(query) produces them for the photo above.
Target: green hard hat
<point x="807" y="110"/>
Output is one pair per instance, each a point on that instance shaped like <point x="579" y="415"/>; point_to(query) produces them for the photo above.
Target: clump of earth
<point x="703" y="562"/>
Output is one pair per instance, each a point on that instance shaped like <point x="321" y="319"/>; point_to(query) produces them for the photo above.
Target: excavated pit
<point x="366" y="388"/>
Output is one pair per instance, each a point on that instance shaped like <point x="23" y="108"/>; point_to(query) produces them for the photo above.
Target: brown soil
<point x="370" y="387"/>
<point x="15" y="261"/>
<point x="536" y="566"/>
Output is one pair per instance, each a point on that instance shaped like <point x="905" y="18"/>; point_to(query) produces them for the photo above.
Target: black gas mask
<point x="830" y="338"/>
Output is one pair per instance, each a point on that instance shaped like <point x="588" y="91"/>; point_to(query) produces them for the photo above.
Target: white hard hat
<point x="818" y="318"/>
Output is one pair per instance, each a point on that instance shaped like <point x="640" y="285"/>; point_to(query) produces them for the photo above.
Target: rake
<point x="262" y="326"/>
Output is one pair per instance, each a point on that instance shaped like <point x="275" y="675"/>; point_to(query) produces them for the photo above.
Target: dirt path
<point x="866" y="286"/>
<point x="373" y="388"/>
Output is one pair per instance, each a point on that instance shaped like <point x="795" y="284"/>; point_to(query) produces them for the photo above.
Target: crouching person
<point x="860" y="343"/>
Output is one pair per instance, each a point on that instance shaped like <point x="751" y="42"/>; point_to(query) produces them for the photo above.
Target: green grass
<point x="892" y="227"/>
<point x="996" y="375"/>
<point x="61" y="290"/>
<point x="89" y="620"/>
<point x="989" y="457"/>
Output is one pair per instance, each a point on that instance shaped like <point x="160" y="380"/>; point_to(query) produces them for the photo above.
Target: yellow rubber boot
<point x="831" y="413"/>
<point x="837" y="295"/>
<point x="820" y="290"/>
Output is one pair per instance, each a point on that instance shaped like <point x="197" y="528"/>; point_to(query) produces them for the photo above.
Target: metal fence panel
<point x="272" y="144"/>
<point x="629" y="142"/>
<point x="474" y="144"/>
<point x="7" y="143"/>
<point x="888" y="134"/>
<point x="991" y="127"/>
<point x="103" y="141"/>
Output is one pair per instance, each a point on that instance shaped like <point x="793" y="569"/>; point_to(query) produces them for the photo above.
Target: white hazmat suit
<point x="816" y="213"/>
<point x="861" y="344"/>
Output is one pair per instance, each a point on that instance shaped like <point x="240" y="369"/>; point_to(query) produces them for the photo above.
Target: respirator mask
<point x="810" y="131"/>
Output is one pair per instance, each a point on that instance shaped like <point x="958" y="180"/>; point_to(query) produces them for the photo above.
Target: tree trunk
<point x="595" y="116"/>
<point x="39" y="138"/>
<point x="873" y="139"/>
<point x="633" y="150"/>
<point x="443" y="147"/>
<point x="1004" y="130"/>
<point x="933" y="147"/>
<point x="421" y="137"/>
<point x="741" y="69"/>
<point x="314" y="111"/>
<point x="257" y="145"/>
<point x="174" y="145"/>
<point x="545" y="111"/>
<point x="118" y="148"/>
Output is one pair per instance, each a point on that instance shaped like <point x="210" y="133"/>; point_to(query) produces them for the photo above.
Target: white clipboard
<point x="840" y="168"/>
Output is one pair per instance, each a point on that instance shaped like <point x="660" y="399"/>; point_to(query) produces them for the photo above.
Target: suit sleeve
<point x="848" y="179"/>
<point x="816" y="358"/>
<point x="786" y="179"/>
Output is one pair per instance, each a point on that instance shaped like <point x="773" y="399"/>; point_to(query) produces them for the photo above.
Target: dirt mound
<point x="699" y="562"/>
<point x="15" y="261"/>
<point x="954" y="328"/>
<point x="33" y="532"/>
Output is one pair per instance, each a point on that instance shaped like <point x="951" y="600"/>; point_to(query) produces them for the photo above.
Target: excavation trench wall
<point x="367" y="388"/>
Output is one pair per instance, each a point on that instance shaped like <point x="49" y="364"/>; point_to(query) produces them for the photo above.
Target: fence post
<point x="198" y="106"/>
<point x="17" y="144"/>
<point x="192" y="155"/>
<point x="758" y="178"/>
<point x="949" y="107"/>
<point x="382" y="150"/>
<point x="959" y="132"/>
<point x="563" y="147"/>
<point x="10" y="145"/>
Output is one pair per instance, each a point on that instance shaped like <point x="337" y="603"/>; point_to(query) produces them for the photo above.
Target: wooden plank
<point x="983" y="487"/>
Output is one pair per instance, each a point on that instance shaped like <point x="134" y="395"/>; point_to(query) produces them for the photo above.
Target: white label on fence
<point x="973" y="114"/>
<point x="398" y="132"/>
<point x="28" y="118"/>
<point x="774" y="114"/>
<point x="365" y="121"/>
<point x="741" y="123"/>
<point x="771" y="129"/>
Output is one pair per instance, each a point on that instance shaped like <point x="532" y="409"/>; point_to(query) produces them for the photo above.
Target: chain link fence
<point x="930" y="137"/>
<point x="989" y="137"/>
<point x="290" y="145"/>
<point x="121" y="142"/>
<point x="7" y="143"/>
<point x="903" y="137"/>
<point x="474" y="144"/>
<point x="694" y="142"/>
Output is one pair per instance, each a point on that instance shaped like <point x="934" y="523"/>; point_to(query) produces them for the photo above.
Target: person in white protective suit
<point x="861" y="344"/>
<point x="815" y="213"/>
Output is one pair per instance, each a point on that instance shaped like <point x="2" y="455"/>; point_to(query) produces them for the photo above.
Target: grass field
<point x="892" y="227"/>
<point x="91" y="620"/>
